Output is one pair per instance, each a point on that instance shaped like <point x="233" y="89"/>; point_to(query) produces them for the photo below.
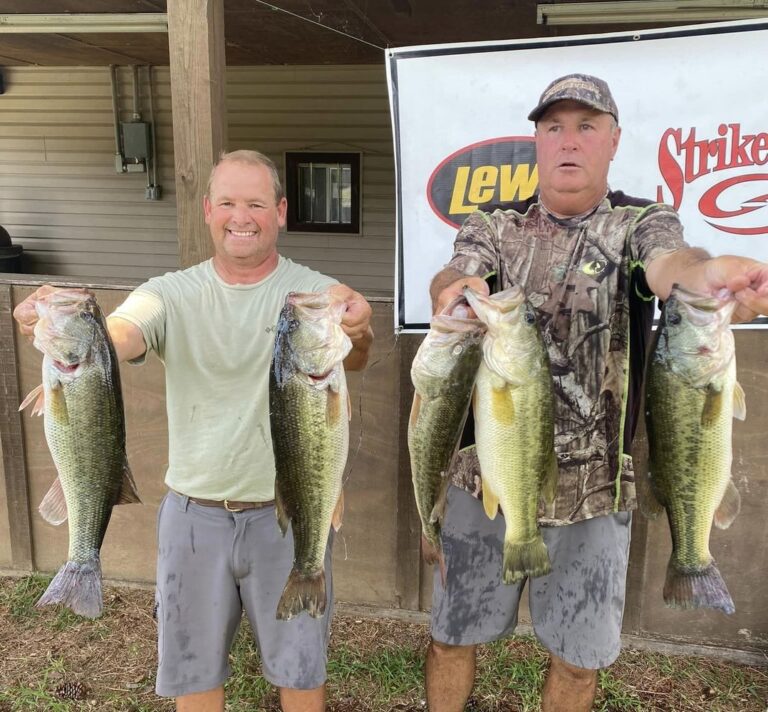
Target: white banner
<point x="692" y="105"/>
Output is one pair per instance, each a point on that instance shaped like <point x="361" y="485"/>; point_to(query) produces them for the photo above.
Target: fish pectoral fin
<point x="349" y="407"/>
<point x="739" y="402"/>
<point x="338" y="513"/>
<point x="713" y="407"/>
<point x="729" y="507"/>
<point x="333" y="407"/>
<point x="37" y="395"/>
<point x="415" y="410"/>
<point x="490" y="501"/>
<point x="53" y="508"/>
<point x="551" y="477"/>
<point x="128" y="492"/>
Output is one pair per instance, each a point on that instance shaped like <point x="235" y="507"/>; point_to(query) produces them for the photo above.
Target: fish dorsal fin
<point x="53" y="508"/>
<point x="713" y="406"/>
<point x="729" y="507"/>
<point x="438" y="511"/>
<point x="551" y="477"/>
<point x="490" y="501"/>
<point x="128" y="492"/>
<point x="338" y="513"/>
<point x="646" y="499"/>
<point x="281" y="510"/>
<point x="739" y="402"/>
<point x="38" y="395"/>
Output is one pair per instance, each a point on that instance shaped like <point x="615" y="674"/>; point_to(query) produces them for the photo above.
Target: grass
<point x="374" y="666"/>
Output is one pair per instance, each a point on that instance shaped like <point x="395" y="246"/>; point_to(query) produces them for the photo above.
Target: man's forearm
<point x="357" y="358"/>
<point x="687" y="267"/>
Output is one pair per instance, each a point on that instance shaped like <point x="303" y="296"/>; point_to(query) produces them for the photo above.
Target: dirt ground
<point x="108" y="664"/>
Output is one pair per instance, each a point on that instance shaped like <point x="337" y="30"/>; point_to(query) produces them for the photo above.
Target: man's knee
<point x="572" y="673"/>
<point x="444" y="651"/>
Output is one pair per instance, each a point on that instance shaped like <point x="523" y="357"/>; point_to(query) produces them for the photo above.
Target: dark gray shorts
<point x="211" y="564"/>
<point x="576" y="610"/>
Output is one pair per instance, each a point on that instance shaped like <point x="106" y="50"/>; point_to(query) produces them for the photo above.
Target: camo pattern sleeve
<point x="658" y="230"/>
<point x="475" y="250"/>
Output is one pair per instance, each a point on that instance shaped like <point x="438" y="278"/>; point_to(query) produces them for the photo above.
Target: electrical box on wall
<point x="137" y="144"/>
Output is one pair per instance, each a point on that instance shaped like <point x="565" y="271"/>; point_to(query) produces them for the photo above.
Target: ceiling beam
<point x="79" y="23"/>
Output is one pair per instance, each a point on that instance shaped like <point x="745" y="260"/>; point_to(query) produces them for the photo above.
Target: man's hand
<point x="449" y="284"/>
<point x="745" y="278"/>
<point x="25" y="312"/>
<point x="356" y="323"/>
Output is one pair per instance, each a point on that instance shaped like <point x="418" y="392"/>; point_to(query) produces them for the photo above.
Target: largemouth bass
<point x="514" y="427"/>
<point x="309" y="419"/>
<point x="692" y="397"/>
<point x="82" y="402"/>
<point x="443" y="373"/>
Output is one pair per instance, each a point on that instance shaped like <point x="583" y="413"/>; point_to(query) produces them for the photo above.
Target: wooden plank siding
<point x="61" y="198"/>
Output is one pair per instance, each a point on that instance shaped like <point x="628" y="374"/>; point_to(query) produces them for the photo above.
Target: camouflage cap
<point x="583" y="88"/>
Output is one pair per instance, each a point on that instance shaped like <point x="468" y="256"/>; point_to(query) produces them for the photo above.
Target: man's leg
<point x="472" y="605"/>
<point x="208" y="701"/>
<point x="450" y="676"/>
<point x="568" y="688"/>
<point x="302" y="700"/>
<point x="577" y="609"/>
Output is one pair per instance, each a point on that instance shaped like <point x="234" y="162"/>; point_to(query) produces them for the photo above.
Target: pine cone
<point x="71" y="691"/>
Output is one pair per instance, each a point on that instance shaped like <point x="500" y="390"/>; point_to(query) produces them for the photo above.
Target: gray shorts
<point x="211" y="564"/>
<point x="576" y="610"/>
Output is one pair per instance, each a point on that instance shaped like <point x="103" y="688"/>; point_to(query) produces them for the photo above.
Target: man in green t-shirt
<point x="219" y="547"/>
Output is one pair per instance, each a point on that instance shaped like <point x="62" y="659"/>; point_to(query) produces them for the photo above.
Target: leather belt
<point x="228" y="504"/>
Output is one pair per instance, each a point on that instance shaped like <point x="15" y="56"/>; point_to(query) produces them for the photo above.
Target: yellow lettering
<point x="483" y="184"/>
<point x="459" y="189"/>
<point x="520" y="185"/>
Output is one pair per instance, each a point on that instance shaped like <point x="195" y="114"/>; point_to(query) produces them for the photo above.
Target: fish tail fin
<point x="697" y="589"/>
<point x="522" y="559"/>
<point x="302" y="592"/>
<point x="78" y="587"/>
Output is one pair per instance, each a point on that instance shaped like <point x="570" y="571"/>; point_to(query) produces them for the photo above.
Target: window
<point x="323" y="191"/>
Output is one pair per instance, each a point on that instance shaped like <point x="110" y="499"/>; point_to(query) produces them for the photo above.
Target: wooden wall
<point x="61" y="198"/>
<point x="376" y="556"/>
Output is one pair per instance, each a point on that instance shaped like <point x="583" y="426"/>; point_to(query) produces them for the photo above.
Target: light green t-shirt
<point x="215" y="340"/>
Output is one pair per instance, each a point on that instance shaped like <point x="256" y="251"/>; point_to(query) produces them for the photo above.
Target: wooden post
<point x="198" y="77"/>
<point x="11" y="440"/>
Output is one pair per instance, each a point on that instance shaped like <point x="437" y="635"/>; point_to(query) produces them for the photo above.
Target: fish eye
<point x="88" y="316"/>
<point x="457" y="349"/>
<point x="673" y="319"/>
<point x="529" y="317"/>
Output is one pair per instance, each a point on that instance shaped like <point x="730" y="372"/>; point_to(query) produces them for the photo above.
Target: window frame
<point x="292" y="161"/>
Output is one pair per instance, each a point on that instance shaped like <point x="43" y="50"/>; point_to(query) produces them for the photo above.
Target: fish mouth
<point x="66" y="367"/>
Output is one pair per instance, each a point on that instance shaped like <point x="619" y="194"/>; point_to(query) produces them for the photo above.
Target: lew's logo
<point x="497" y="171"/>
<point x="728" y="202"/>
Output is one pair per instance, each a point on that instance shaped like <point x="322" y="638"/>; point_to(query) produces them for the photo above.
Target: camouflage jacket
<point x="585" y="277"/>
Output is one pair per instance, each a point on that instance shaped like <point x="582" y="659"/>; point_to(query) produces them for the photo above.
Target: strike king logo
<point x="726" y="199"/>
<point x="499" y="170"/>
